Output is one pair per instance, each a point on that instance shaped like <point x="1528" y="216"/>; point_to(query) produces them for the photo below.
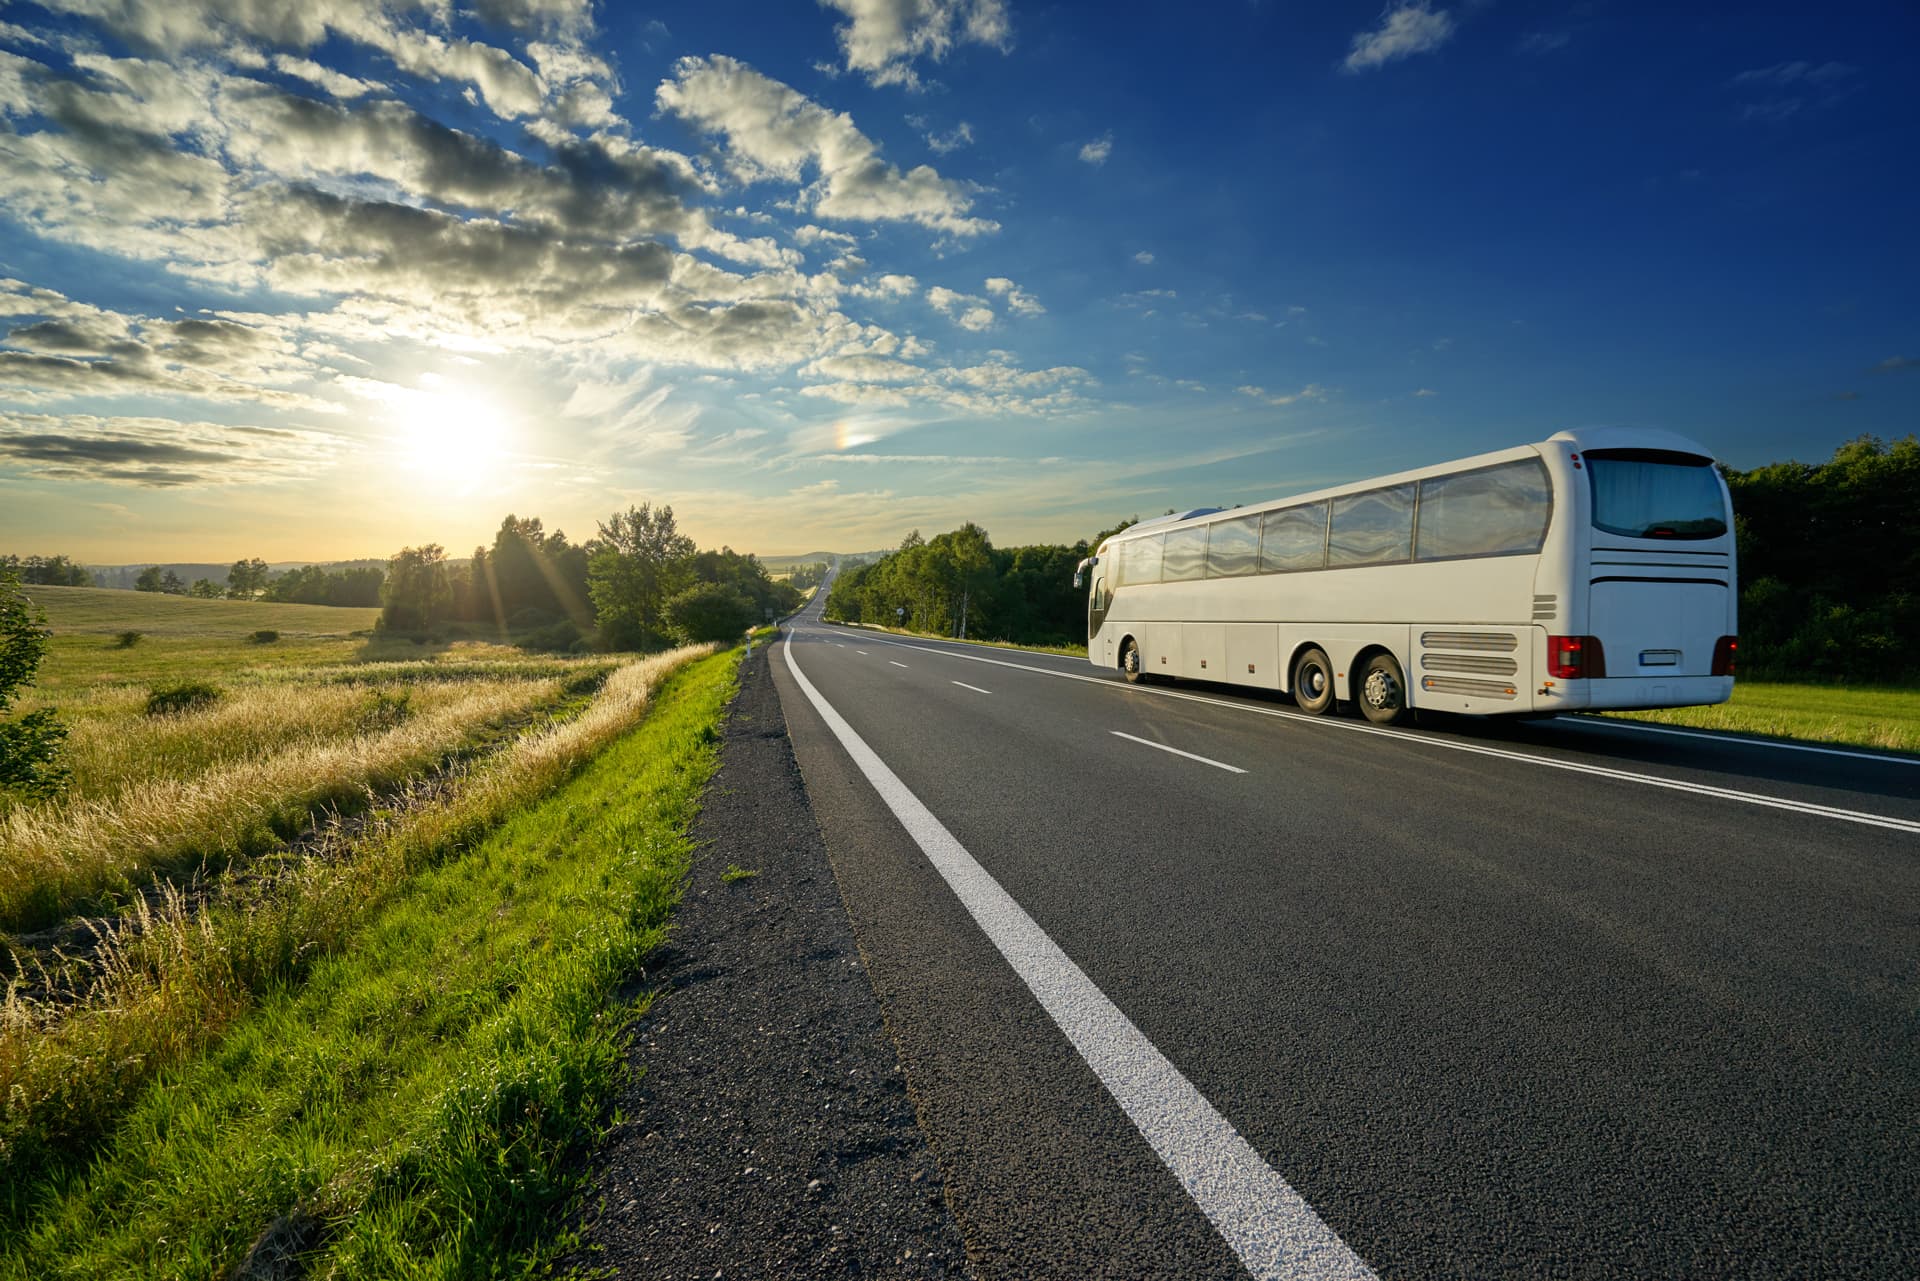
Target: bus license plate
<point x="1659" y="658"/>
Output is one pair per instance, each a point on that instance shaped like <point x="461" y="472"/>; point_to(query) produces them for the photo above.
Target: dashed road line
<point x="975" y="688"/>
<point x="896" y="664"/>
<point x="1204" y="760"/>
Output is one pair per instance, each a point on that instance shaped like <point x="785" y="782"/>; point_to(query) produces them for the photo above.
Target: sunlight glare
<point x="452" y="435"/>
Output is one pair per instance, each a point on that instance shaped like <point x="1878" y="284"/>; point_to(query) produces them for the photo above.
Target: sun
<point x="453" y="436"/>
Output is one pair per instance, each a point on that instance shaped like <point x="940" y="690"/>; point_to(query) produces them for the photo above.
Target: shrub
<point x="127" y="640"/>
<point x="183" y="696"/>
<point x="709" y="612"/>
<point x="557" y="637"/>
<point x="265" y="636"/>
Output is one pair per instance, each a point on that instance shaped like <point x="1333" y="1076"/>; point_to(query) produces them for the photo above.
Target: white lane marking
<point x="975" y="688"/>
<point x="1737" y="741"/>
<point x="1145" y="742"/>
<point x="896" y="664"/>
<point x="1416" y="740"/>
<point x="860" y="651"/>
<point x="1270" y="1226"/>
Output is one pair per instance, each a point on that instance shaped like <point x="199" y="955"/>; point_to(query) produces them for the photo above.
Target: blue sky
<point x="319" y="280"/>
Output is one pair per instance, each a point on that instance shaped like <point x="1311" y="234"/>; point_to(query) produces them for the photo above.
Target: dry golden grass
<point x="175" y="974"/>
<point x="56" y="857"/>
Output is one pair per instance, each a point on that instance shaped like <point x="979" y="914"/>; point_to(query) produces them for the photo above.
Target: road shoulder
<point x="771" y="1133"/>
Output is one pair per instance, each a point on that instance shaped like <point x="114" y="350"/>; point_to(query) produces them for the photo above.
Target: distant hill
<point x="781" y="564"/>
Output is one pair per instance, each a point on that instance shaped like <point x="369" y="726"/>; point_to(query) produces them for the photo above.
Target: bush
<point x="558" y="638"/>
<point x="184" y="696"/>
<point x="127" y="640"/>
<point x="265" y="636"/>
<point x="709" y="612"/>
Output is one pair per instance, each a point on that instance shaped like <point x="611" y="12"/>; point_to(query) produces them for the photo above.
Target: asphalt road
<point x="1553" y="999"/>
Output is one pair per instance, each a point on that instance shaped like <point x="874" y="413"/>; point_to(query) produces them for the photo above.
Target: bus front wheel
<point x="1383" y="690"/>
<point x="1130" y="664"/>
<point x="1313" y="682"/>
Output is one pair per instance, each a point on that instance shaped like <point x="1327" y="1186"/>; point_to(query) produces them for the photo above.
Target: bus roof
<point x="1581" y="438"/>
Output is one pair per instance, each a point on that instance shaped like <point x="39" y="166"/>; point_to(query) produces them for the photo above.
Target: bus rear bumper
<point x="1625" y="693"/>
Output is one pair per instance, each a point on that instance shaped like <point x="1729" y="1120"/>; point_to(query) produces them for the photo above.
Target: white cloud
<point x="1781" y="75"/>
<point x="1406" y="27"/>
<point x="890" y="286"/>
<point x="1312" y="391"/>
<point x="1096" y="152"/>
<point x="774" y="132"/>
<point x="339" y="84"/>
<point x="881" y="39"/>
<point x="1018" y="299"/>
<point x="966" y="310"/>
<point x="1426" y="391"/>
<point x="1144" y="258"/>
<point x="160" y="453"/>
<point x="961" y="135"/>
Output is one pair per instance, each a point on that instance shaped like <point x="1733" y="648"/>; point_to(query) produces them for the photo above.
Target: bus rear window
<point x="1636" y="497"/>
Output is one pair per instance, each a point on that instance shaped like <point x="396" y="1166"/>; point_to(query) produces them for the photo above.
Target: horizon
<point x="315" y="285"/>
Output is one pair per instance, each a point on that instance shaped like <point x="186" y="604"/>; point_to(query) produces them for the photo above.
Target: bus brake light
<point x="1723" y="655"/>
<point x="1571" y="658"/>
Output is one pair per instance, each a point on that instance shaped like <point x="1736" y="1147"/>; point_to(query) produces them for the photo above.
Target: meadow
<point x="234" y="868"/>
<point x="1873" y="716"/>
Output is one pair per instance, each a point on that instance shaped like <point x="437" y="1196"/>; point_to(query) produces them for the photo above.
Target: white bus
<point x="1592" y="570"/>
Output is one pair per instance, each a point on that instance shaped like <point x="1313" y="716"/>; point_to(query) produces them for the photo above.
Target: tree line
<point x="1829" y="565"/>
<point x="639" y="584"/>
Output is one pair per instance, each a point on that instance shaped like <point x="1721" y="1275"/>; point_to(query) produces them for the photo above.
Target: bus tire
<point x="1313" y="682"/>
<point x="1383" y="690"/>
<point x="1130" y="664"/>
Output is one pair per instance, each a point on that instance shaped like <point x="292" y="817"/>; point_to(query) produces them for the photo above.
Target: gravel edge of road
<point x="769" y="1132"/>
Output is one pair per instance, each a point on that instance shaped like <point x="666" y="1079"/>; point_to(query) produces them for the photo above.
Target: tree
<point x="416" y="591"/>
<point x="172" y="584"/>
<point x="204" y="589"/>
<point x="149" y="580"/>
<point x="30" y="746"/>
<point x="709" y="612"/>
<point x="48" y="571"/>
<point x="246" y="579"/>
<point x="640" y="563"/>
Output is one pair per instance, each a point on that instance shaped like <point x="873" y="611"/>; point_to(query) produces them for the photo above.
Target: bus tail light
<point x="1723" y="655"/>
<point x="1571" y="658"/>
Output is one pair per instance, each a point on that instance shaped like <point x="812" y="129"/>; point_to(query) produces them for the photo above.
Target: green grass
<point x="1879" y="717"/>
<point x="417" y="1106"/>
<point x="1070" y="651"/>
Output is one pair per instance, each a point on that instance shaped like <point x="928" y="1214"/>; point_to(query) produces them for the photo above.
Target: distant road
<point x="1189" y="984"/>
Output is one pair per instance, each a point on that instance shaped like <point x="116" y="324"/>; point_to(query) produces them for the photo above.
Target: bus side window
<point x="1294" y="538"/>
<point x="1495" y="511"/>
<point x="1374" y="528"/>
<point x="1233" y="547"/>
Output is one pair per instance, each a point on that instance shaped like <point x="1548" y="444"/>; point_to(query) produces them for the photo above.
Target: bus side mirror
<point x="1078" y="580"/>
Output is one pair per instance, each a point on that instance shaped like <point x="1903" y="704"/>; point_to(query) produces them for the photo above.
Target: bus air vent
<point x="1490" y="664"/>
<point x="1545" y="607"/>
<point x="1461" y="685"/>
<point x="1498" y="642"/>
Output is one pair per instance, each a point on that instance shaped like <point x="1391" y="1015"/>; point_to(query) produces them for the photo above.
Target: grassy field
<point x="318" y="722"/>
<point x="1857" y="715"/>
<point x="416" y="1103"/>
<point x="361" y="909"/>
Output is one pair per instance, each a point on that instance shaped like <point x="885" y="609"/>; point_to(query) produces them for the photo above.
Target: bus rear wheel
<point x="1383" y="690"/>
<point x="1130" y="664"/>
<point x="1313" y="682"/>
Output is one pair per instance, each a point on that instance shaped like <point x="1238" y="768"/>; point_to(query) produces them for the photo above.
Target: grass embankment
<point x="1879" y="717"/>
<point x="409" y="1104"/>
<point x="1071" y="651"/>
